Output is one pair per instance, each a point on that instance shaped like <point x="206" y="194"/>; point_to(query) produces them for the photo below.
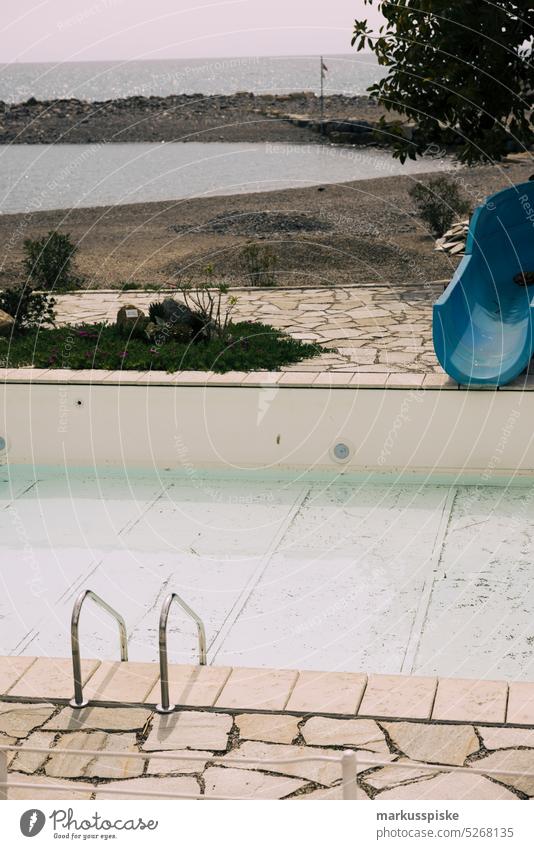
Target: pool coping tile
<point x="462" y="699"/>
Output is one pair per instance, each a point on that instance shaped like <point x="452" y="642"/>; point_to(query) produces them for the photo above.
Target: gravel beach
<point x="362" y="233"/>
<point x="195" y="117"/>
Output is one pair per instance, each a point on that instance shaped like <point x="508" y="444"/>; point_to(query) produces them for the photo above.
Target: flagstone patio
<point x="372" y="328"/>
<point x="240" y="754"/>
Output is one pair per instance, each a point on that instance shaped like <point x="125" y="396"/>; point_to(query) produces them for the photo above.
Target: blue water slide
<point x="483" y="322"/>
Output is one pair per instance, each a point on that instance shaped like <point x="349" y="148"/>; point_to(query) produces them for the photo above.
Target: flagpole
<point x="322" y="97"/>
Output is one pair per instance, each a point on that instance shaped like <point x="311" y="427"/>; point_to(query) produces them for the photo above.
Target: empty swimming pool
<point x="365" y="573"/>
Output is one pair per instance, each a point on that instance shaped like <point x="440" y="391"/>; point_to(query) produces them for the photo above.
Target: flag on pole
<point x="324" y="69"/>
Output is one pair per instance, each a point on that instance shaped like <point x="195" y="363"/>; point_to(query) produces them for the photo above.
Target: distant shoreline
<point x="241" y="117"/>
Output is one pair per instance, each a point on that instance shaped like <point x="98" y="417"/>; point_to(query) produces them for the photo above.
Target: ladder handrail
<point x="78" y="701"/>
<point x="165" y="706"/>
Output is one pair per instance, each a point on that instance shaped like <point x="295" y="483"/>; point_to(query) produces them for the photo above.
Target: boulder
<point x="175" y="320"/>
<point x="6" y="323"/>
<point x="130" y="320"/>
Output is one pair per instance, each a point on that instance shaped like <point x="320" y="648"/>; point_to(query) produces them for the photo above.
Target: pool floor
<point x="376" y="576"/>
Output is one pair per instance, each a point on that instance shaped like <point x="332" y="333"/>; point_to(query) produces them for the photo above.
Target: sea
<point x="349" y="74"/>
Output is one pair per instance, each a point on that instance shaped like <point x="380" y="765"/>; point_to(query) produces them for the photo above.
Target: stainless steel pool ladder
<point x="165" y="706"/>
<point x="78" y="701"/>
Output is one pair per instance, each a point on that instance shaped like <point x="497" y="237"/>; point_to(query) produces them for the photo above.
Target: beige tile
<point x="439" y="381"/>
<point x="11" y="669"/>
<point x="327" y="692"/>
<point x="391" y="776"/>
<point x="195" y="686"/>
<point x="514" y="760"/>
<point x="51" y="678"/>
<point x="17" y="719"/>
<point x="123" y="376"/>
<point x="195" y="378"/>
<point x="90" y="375"/>
<point x="333" y="378"/>
<point x="63" y="764"/>
<point x="298" y="378"/>
<point x="403" y="696"/>
<point x="26" y="375"/>
<point x="449" y="786"/>
<point x="359" y="733"/>
<point x="520" y="703"/>
<point x="59" y="375"/>
<point x="185" y="785"/>
<point x="267" y="727"/>
<point x="229" y="378"/>
<point x="65" y="789"/>
<point x="270" y="758"/>
<point x="433" y="743"/>
<point x="189" y="729"/>
<point x="262" y="378"/>
<point x="506" y="738"/>
<point x="260" y="689"/>
<point x="99" y="719"/>
<point x="405" y="381"/>
<point x="247" y="784"/>
<point x="370" y="380"/>
<point x="122" y="682"/>
<point x="163" y="766"/>
<point x="29" y="762"/>
<point x="465" y="700"/>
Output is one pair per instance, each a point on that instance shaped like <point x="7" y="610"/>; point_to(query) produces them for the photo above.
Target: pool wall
<point x="250" y="426"/>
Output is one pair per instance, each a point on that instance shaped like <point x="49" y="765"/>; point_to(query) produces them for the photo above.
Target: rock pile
<point x="453" y="242"/>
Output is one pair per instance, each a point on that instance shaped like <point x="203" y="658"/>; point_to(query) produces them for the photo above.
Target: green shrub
<point x="259" y="262"/>
<point x="252" y="346"/>
<point x="439" y="202"/>
<point x="48" y="261"/>
<point x="29" y="309"/>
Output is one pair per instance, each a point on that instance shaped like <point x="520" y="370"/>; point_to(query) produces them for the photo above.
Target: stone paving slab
<point x="112" y="680"/>
<point x="268" y="690"/>
<point x="399" y="695"/>
<point x="348" y="378"/>
<point x="50" y="678"/>
<point x="198" y="686"/>
<point x="260" y="689"/>
<point x="395" y="759"/>
<point x="327" y="692"/>
<point x="470" y="701"/>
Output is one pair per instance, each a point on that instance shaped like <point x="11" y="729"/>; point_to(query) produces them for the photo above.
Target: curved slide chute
<point x="483" y="322"/>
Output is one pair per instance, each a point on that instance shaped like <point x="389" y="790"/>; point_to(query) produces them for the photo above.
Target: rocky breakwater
<point x="196" y="117"/>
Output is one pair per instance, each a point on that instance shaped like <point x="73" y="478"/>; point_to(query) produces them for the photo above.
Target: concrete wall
<point x="484" y="432"/>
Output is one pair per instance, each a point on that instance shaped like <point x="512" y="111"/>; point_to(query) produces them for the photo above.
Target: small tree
<point x="29" y="309"/>
<point x="48" y="261"/>
<point x="439" y="202"/>
<point x="460" y="70"/>
<point x="212" y="304"/>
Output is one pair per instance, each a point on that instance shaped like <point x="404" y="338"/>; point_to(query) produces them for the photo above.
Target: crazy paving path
<point x="371" y="328"/>
<point x="223" y="742"/>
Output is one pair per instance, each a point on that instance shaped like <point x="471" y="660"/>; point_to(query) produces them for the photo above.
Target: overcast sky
<point x="76" y="30"/>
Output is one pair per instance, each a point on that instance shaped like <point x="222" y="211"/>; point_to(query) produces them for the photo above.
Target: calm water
<point x="350" y="74"/>
<point x="34" y="177"/>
